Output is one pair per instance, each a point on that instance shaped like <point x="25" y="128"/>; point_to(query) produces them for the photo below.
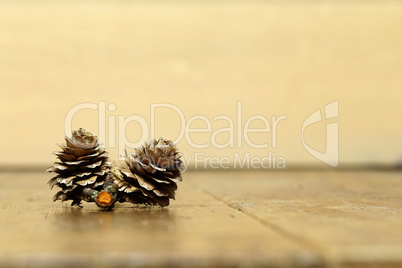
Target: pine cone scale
<point x="94" y="165"/>
<point x="174" y="176"/>
<point x="59" y="166"/>
<point x="145" y="179"/>
<point x="161" y="177"/>
<point x="151" y="157"/>
<point x="68" y="189"/>
<point x="145" y="183"/>
<point x="161" y="192"/>
<point x="87" y="181"/>
<point x="74" y="163"/>
<point x="147" y="193"/>
<point x="166" y="163"/>
<point x="66" y="181"/>
<point x="65" y="157"/>
<point x="89" y="156"/>
<point x="142" y="170"/>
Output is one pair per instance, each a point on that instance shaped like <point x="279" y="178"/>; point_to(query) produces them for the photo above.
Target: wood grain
<point x="271" y="219"/>
<point x="196" y="230"/>
<point x="354" y="217"/>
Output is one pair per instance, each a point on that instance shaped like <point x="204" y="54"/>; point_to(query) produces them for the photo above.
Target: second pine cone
<point x="151" y="174"/>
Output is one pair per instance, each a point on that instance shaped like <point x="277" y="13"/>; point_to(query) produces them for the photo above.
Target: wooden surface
<point x="279" y="219"/>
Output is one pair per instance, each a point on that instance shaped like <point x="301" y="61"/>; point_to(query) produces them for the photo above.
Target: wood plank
<point x="354" y="216"/>
<point x="196" y="230"/>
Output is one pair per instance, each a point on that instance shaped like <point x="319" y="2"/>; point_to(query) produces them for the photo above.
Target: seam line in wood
<point x="304" y="242"/>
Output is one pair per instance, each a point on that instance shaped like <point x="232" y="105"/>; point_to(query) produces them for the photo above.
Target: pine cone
<point x="84" y="163"/>
<point x="152" y="174"/>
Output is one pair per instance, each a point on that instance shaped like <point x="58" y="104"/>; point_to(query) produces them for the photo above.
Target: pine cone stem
<point x="89" y="195"/>
<point x="105" y="198"/>
<point x="108" y="196"/>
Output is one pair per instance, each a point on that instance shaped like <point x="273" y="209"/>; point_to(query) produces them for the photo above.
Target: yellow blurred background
<point x="204" y="58"/>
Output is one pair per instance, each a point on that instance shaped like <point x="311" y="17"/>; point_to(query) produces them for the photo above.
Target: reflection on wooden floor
<point x="233" y="218"/>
